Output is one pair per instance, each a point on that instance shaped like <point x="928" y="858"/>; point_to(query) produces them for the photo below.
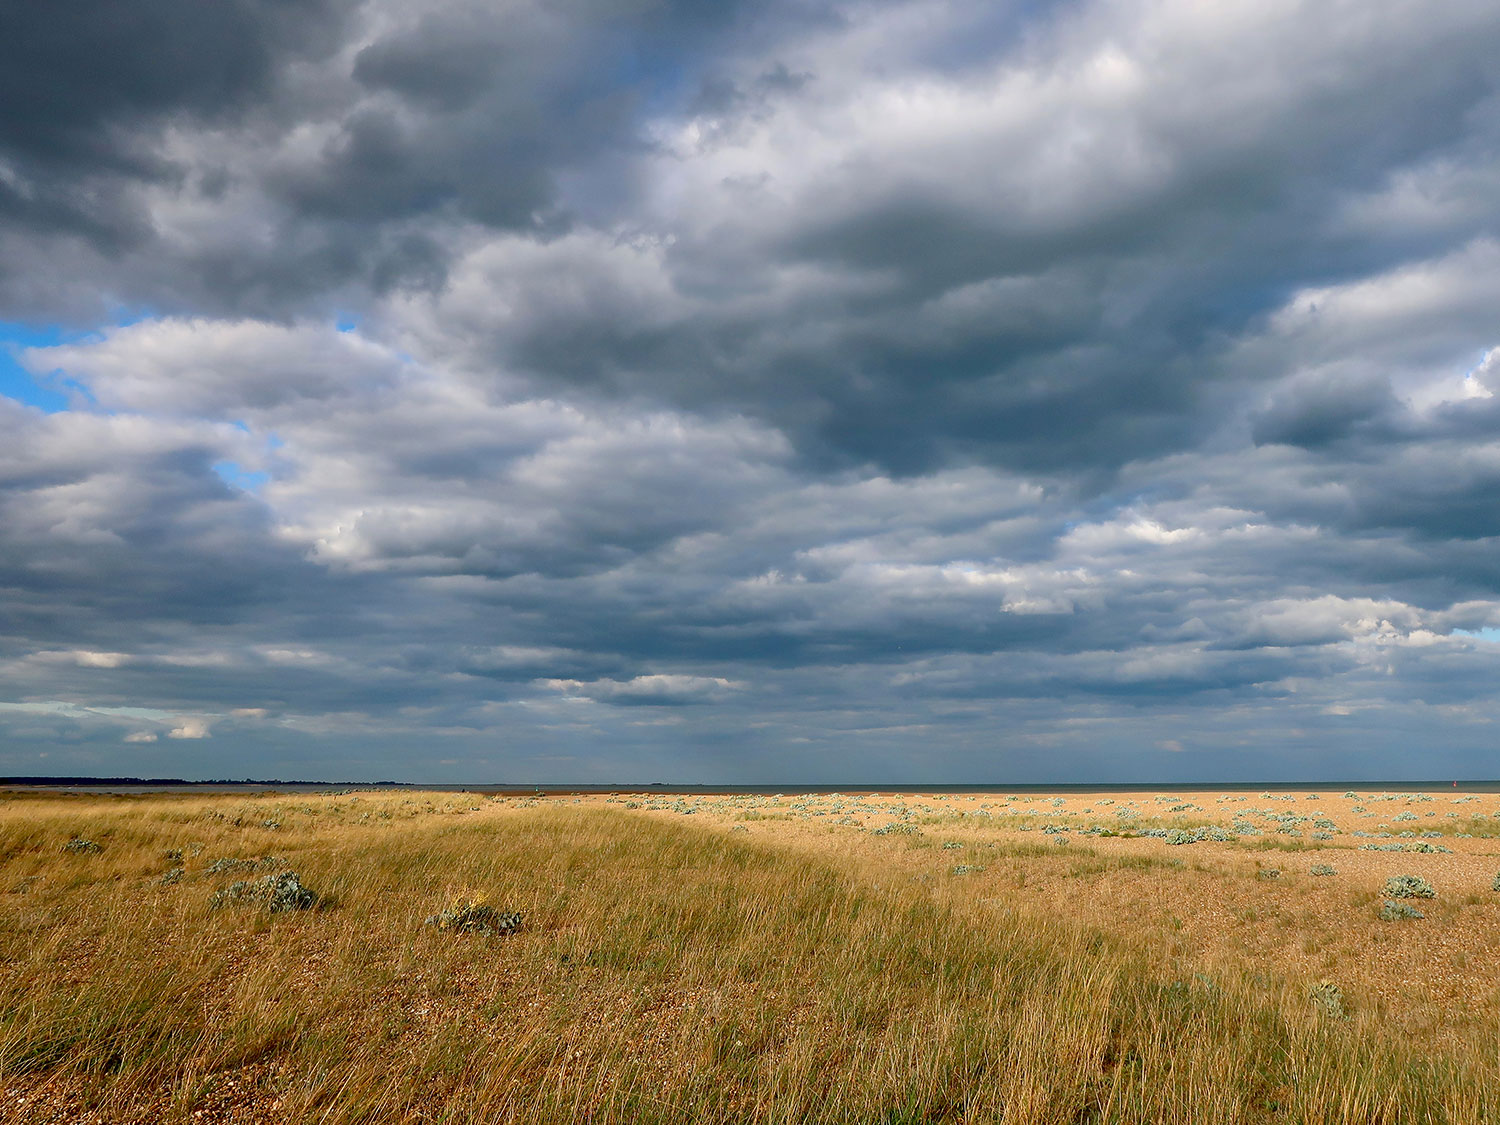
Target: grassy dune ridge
<point x="668" y="969"/>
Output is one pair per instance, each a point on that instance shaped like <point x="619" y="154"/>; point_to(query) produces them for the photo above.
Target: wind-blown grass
<point x="665" y="971"/>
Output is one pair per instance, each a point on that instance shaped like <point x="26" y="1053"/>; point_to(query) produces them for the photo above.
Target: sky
<point x="643" y="390"/>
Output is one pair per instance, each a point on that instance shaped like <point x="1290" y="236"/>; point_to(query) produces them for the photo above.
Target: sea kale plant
<point x="277" y="893"/>
<point x="1328" y="998"/>
<point x="475" y="918"/>
<point x="1409" y="886"/>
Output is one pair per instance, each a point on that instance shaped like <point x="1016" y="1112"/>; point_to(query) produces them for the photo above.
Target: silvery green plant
<point x="1393" y="911"/>
<point x="475" y="918"/>
<point x="1409" y="886"/>
<point x="230" y="864"/>
<point x="278" y="893"/>
<point x="1328" y="998"/>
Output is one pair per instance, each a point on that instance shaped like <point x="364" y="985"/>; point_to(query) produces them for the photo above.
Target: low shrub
<point x="1409" y="886"/>
<point x="278" y="893"/>
<point x="1328" y="998"/>
<point x="475" y="918"/>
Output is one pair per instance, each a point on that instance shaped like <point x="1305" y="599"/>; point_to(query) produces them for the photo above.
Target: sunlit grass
<point x="665" y="971"/>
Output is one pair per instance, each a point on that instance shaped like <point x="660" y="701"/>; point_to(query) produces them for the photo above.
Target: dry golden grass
<point x="671" y="968"/>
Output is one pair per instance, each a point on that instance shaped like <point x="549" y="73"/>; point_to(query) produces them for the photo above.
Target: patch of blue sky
<point x="657" y="70"/>
<point x="1489" y="634"/>
<point x="44" y="391"/>
<point x="47" y="390"/>
<point x="237" y="476"/>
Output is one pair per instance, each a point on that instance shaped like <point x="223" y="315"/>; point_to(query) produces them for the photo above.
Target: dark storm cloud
<point x="919" y="389"/>
<point x="86" y="90"/>
<point x="268" y="156"/>
<point x="73" y="72"/>
<point x="1050" y="283"/>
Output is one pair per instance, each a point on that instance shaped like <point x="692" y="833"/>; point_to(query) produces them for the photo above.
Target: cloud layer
<point x="883" y="392"/>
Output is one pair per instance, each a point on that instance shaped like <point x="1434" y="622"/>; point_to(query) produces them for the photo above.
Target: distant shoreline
<point x="133" y="785"/>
